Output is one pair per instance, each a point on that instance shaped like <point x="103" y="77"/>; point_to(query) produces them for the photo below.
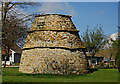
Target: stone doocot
<point x="53" y="46"/>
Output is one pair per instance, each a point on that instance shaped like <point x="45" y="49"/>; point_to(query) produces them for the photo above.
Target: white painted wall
<point x="11" y="59"/>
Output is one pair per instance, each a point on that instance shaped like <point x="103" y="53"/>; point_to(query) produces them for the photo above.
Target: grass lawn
<point x="102" y="75"/>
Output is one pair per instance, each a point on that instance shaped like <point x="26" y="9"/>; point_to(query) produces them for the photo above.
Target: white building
<point x="14" y="53"/>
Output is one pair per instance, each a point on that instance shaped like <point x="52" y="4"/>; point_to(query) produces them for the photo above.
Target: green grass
<point x="102" y="75"/>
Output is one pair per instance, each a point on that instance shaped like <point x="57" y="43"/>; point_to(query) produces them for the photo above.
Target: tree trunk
<point x="110" y="60"/>
<point x="6" y="57"/>
<point x="85" y="57"/>
<point x="5" y="61"/>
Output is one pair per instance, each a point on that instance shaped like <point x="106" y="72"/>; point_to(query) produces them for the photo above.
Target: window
<point x="3" y="58"/>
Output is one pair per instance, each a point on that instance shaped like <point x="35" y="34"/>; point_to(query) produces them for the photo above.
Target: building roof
<point x="4" y="51"/>
<point x="105" y="53"/>
<point x="16" y="48"/>
<point x="13" y="46"/>
<point x="53" y="31"/>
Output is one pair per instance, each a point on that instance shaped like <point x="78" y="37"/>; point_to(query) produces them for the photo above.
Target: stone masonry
<point x="53" y="46"/>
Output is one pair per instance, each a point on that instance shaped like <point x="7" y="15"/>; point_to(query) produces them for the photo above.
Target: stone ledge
<point x="67" y="48"/>
<point x="60" y="30"/>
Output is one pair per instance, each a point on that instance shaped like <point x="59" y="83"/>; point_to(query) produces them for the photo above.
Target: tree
<point x="94" y="40"/>
<point x="111" y="50"/>
<point x="116" y="48"/>
<point x="14" y="24"/>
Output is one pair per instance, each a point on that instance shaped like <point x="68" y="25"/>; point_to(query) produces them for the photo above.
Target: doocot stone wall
<point x="53" y="46"/>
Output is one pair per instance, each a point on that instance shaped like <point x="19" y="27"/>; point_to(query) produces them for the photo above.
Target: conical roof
<point x="53" y="31"/>
<point x="53" y="22"/>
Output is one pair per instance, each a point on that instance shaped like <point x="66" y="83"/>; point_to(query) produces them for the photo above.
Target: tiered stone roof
<point x="53" y="30"/>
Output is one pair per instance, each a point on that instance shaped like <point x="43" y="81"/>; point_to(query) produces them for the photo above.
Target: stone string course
<point x="38" y="57"/>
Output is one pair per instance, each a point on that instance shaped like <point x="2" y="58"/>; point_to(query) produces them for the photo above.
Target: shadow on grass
<point x="51" y="75"/>
<point x="13" y="71"/>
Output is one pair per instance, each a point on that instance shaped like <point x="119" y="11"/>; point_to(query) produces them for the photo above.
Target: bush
<point x="118" y="64"/>
<point x="101" y="65"/>
<point x="91" y="70"/>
